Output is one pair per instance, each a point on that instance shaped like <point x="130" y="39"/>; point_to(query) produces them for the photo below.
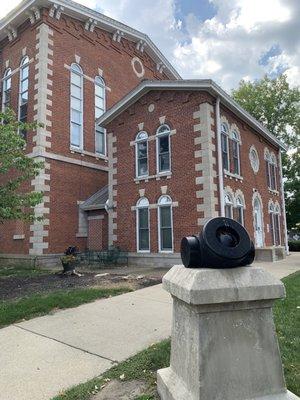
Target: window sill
<point x="272" y="191"/>
<point x="88" y="153"/>
<point x="81" y="235"/>
<point x="19" y="237"/>
<point x="143" y="251"/>
<point x="157" y="177"/>
<point x="166" y="251"/>
<point x="230" y="175"/>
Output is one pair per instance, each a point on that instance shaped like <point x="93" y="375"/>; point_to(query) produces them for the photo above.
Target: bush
<point x="294" y="245"/>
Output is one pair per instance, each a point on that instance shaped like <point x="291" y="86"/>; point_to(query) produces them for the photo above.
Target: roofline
<point x="71" y="8"/>
<point x="194" y="84"/>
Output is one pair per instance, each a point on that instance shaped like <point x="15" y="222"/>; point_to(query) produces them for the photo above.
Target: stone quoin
<point x="167" y="155"/>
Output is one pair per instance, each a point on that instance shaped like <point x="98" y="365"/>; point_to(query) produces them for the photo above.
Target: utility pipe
<point x="283" y="206"/>
<point x="220" y="162"/>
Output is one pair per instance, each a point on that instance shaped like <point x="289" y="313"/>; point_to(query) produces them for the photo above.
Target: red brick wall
<point x="252" y="181"/>
<point x="178" y="107"/>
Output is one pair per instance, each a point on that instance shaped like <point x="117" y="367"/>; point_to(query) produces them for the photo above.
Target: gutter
<point x="286" y="240"/>
<point x="220" y="163"/>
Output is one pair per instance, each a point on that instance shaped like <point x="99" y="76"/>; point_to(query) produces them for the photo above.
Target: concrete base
<point x="155" y="260"/>
<point x="170" y="387"/>
<point x="224" y="344"/>
<point x="270" y="253"/>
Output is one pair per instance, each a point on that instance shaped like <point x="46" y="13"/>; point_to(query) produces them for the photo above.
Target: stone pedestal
<point x="224" y="345"/>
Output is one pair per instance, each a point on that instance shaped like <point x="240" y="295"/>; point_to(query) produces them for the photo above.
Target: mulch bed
<point x="19" y="287"/>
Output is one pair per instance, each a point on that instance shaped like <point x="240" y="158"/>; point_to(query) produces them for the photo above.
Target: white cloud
<point x="7" y="6"/>
<point x="226" y="47"/>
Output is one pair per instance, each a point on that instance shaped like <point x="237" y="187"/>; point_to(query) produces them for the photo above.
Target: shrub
<point x="294" y="245"/>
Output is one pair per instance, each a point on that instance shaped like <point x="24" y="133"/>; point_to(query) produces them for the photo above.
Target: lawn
<point x="143" y="366"/>
<point x="21" y="271"/>
<point x="40" y="304"/>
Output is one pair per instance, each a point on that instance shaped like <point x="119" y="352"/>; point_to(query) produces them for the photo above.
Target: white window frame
<point x="141" y="137"/>
<point x="240" y="205"/>
<point x="99" y="81"/>
<point x="76" y="69"/>
<point x="24" y="65"/>
<point x="228" y="200"/>
<point x="159" y="134"/>
<point x="142" y="204"/>
<point x="225" y="133"/>
<point x="236" y="141"/>
<point x="6" y="78"/>
<point x="161" y="203"/>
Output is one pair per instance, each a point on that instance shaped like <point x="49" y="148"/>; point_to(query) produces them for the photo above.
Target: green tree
<point x="17" y="201"/>
<point x="277" y="106"/>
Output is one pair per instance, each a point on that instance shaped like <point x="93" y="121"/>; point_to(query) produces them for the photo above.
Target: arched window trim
<point x="165" y="201"/>
<point x="225" y="146"/>
<point x="236" y="152"/>
<point x="100" y="133"/>
<point x="142" y="205"/>
<point x="161" y="132"/>
<point x="77" y="70"/>
<point x="23" y="92"/>
<point x="6" y="88"/>
<point x="240" y="206"/>
<point x="229" y="204"/>
<point x="141" y="141"/>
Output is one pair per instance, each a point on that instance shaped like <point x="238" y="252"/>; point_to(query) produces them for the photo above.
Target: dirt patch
<point x="18" y="287"/>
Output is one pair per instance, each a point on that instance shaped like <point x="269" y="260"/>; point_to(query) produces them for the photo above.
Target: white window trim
<point x="104" y="109"/>
<point x="81" y="145"/>
<point x="242" y="207"/>
<point x="158" y="136"/>
<point x="6" y="77"/>
<point x="137" y="228"/>
<point x="253" y="149"/>
<point x="238" y="142"/>
<point x="137" y="141"/>
<point x="172" y="226"/>
<point x="22" y="66"/>
<point x="226" y="133"/>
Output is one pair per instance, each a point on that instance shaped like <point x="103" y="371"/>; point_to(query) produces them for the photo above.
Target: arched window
<point x="163" y="149"/>
<point x="6" y="89"/>
<point x="225" y="147"/>
<point x="165" y="224"/>
<point x="141" y="154"/>
<point x="240" y="210"/>
<point x="23" y="92"/>
<point x="275" y="224"/>
<point x="236" y="153"/>
<point x="271" y="169"/>
<point x="76" y="107"/>
<point x="228" y="206"/>
<point x="100" y="106"/>
<point x="142" y="225"/>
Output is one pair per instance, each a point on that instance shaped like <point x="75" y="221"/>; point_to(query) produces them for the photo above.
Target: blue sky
<point x="226" y="40"/>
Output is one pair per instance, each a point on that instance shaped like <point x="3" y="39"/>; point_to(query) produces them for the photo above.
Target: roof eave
<point x="204" y="84"/>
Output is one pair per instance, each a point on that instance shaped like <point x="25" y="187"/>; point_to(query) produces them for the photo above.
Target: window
<point x="228" y="206"/>
<point x="271" y="169"/>
<point x="254" y="159"/>
<point x="6" y="89"/>
<point x="143" y="233"/>
<point x="236" y="153"/>
<point x="239" y="210"/>
<point x="76" y="104"/>
<point x="100" y="105"/>
<point x="165" y="223"/>
<point x="275" y="224"/>
<point x="163" y="149"/>
<point x="224" y="145"/>
<point x="141" y="148"/>
<point x="23" y="92"/>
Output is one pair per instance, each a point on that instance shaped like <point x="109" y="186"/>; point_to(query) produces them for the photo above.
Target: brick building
<point x="172" y="155"/>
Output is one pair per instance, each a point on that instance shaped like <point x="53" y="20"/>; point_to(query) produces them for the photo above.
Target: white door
<point x="258" y="225"/>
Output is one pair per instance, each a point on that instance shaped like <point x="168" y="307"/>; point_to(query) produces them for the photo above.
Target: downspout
<point x="220" y="163"/>
<point x="283" y="206"/>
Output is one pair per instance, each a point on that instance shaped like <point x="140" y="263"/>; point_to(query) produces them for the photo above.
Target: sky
<point x="225" y="40"/>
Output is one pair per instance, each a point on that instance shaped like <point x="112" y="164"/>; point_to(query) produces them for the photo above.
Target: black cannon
<point x="223" y="243"/>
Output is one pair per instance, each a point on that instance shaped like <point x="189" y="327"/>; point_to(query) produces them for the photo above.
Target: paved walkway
<point x="41" y="357"/>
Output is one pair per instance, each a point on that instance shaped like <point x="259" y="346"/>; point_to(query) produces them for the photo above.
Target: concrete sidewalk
<point x="41" y="357"/>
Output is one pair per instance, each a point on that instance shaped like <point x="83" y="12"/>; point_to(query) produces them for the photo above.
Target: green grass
<point x="41" y="304"/>
<point x="287" y="322"/>
<point x="143" y="366"/>
<point x="21" y="272"/>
